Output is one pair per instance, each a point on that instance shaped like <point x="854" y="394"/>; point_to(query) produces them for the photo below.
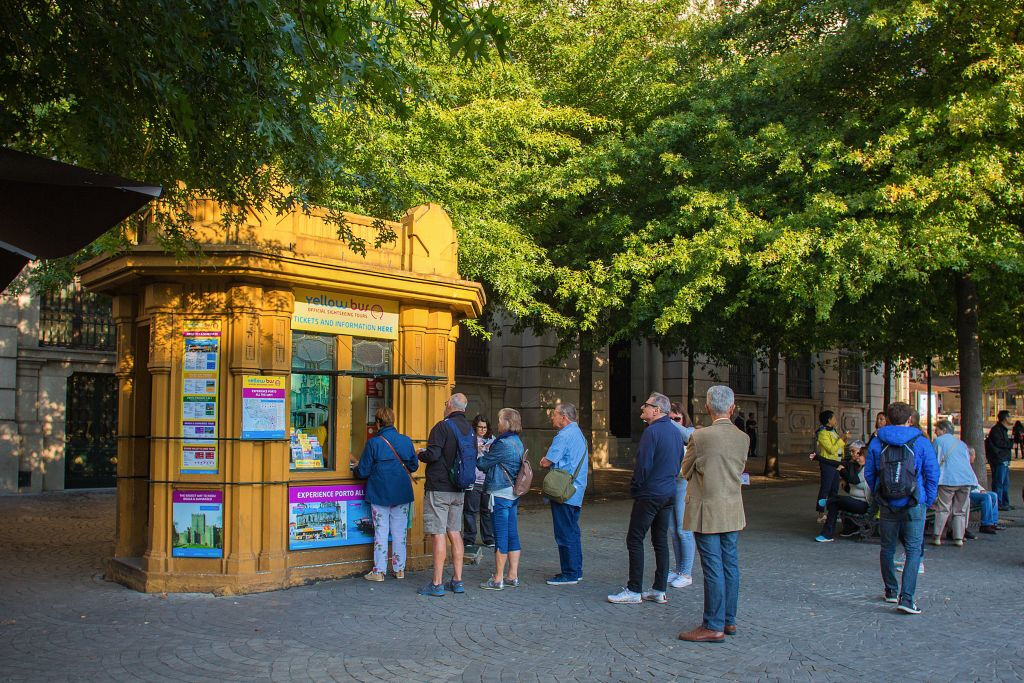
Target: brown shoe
<point x="730" y="629"/>
<point x="374" y="576"/>
<point x="399" y="573"/>
<point x="702" y="635"/>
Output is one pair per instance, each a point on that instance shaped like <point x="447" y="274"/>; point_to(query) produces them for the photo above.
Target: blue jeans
<point x="829" y="485"/>
<point x="906" y="526"/>
<point x="682" y="540"/>
<point x="566" y="521"/>
<point x="506" y="525"/>
<point x="989" y="507"/>
<point x="1001" y="482"/>
<point x="720" y="562"/>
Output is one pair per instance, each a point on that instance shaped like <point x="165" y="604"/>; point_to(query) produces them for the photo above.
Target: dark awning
<point x="50" y="209"/>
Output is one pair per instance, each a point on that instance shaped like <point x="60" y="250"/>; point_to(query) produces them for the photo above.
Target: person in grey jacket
<point x="858" y="497"/>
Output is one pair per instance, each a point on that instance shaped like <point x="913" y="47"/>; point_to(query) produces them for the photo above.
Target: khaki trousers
<point x="953" y="503"/>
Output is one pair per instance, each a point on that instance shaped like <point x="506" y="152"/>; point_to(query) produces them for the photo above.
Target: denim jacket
<point x="506" y="450"/>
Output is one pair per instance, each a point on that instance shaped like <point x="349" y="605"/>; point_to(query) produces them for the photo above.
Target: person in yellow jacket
<point x="829" y="454"/>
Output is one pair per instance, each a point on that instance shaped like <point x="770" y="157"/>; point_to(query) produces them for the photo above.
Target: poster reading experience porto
<point x="328" y="516"/>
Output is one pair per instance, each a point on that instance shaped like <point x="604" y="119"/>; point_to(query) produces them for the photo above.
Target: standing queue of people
<point x="490" y="504"/>
<point x="694" y="494"/>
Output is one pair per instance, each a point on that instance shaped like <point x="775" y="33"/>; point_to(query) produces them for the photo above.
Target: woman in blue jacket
<point x="501" y="465"/>
<point x="386" y="463"/>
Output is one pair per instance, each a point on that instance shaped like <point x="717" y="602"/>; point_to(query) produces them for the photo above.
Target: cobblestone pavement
<point x="807" y="612"/>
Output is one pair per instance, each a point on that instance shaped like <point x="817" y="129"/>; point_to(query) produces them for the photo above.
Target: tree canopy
<point x="227" y="100"/>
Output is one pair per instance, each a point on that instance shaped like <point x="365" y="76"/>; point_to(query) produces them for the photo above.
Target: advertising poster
<point x="200" y="396"/>
<point x="197" y="523"/>
<point x="339" y="313"/>
<point x="263" y="407"/>
<point x="328" y="516"/>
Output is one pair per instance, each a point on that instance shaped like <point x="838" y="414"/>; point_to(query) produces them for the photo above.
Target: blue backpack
<point x="462" y="471"/>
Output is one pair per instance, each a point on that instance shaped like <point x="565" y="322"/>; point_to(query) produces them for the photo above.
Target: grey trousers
<point x="953" y="503"/>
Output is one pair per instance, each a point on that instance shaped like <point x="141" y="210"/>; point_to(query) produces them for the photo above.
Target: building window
<point x="741" y="375"/>
<point x="851" y="378"/>
<point x="313" y="400"/>
<point x="798" y="376"/>
<point x="74" y="319"/>
<point x="470" y="354"/>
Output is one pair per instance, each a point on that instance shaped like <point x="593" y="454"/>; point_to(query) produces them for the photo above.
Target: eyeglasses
<point x="647" y="405"/>
<point x="481" y="426"/>
<point x="677" y="419"/>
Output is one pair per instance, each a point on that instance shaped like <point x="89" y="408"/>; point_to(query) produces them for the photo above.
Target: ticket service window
<point x="337" y="384"/>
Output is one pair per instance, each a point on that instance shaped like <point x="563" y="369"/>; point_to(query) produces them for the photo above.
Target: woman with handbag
<point x="386" y="463"/>
<point x="501" y="464"/>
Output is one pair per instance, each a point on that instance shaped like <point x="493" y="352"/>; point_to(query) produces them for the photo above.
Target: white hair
<point x="458" y="401"/>
<point x="720" y="399"/>
<point x="661" y="402"/>
<point x="566" y="410"/>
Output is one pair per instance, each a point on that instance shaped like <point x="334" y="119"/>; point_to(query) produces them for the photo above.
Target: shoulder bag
<point x="402" y="464"/>
<point x="558" y="484"/>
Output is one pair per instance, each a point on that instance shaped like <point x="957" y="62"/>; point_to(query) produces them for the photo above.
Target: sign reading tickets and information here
<point x="328" y="516"/>
<point x="349" y="314"/>
<point x="200" y="372"/>
<point x="197" y="522"/>
<point x="263" y="414"/>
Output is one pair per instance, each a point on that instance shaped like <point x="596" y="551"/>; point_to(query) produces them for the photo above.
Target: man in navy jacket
<point x="902" y="518"/>
<point x="653" y="487"/>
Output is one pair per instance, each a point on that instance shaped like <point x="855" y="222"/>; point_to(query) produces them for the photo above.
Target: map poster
<point x="200" y="372"/>
<point x="328" y="516"/>
<point x="197" y="521"/>
<point x="263" y="407"/>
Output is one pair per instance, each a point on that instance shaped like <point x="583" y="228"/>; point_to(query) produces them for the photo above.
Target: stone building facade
<point x="57" y="414"/>
<point x="511" y="370"/>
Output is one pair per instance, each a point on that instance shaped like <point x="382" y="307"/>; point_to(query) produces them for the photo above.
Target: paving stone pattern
<point x="807" y="612"/>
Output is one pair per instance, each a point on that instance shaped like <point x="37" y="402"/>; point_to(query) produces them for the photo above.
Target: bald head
<point x="456" y="404"/>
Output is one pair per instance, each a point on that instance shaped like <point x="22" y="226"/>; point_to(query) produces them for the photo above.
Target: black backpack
<point x="462" y="471"/>
<point x="897" y="472"/>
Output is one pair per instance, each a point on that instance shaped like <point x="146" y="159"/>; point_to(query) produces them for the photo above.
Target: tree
<point x="217" y="99"/>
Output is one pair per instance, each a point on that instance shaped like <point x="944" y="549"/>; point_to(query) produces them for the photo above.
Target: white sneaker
<point x="672" y="576"/>
<point x="682" y="581"/>
<point x="626" y="597"/>
<point x="655" y="596"/>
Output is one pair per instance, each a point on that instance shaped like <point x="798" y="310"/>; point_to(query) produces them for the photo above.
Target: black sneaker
<point x="912" y="608"/>
<point x="890" y="596"/>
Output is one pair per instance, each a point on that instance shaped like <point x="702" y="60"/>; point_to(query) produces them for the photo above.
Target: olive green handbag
<point x="558" y="484"/>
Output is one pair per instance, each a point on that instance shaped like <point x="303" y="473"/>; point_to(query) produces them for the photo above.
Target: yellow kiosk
<point x="248" y="380"/>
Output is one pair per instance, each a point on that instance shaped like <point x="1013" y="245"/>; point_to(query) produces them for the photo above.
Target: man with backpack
<point x="450" y="458"/>
<point x="903" y="475"/>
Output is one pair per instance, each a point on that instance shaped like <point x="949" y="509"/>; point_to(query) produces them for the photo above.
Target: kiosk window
<point x="369" y="357"/>
<point x="313" y="401"/>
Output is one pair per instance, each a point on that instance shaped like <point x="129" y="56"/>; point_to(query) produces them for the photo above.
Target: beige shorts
<point x="442" y="511"/>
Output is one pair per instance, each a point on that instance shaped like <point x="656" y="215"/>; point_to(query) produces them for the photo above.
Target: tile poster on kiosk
<point x="328" y="516"/>
<point x="197" y="520"/>
<point x="200" y="372"/>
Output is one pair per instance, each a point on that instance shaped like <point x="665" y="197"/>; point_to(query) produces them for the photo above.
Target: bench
<point x="866" y="524"/>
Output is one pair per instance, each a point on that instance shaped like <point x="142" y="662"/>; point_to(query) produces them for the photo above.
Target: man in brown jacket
<point x="713" y="466"/>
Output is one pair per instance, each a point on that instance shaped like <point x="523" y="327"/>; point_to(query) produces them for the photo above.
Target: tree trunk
<point x="972" y="416"/>
<point x="691" y="410"/>
<point x="586" y="407"/>
<point x="771" y="455"/>
<point x="886" y="386"/>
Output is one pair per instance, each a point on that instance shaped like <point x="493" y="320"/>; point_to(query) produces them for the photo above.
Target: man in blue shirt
<point x="568" y="452"/>
<point x="659" y="456"/>
<point x="902" y="519"/>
